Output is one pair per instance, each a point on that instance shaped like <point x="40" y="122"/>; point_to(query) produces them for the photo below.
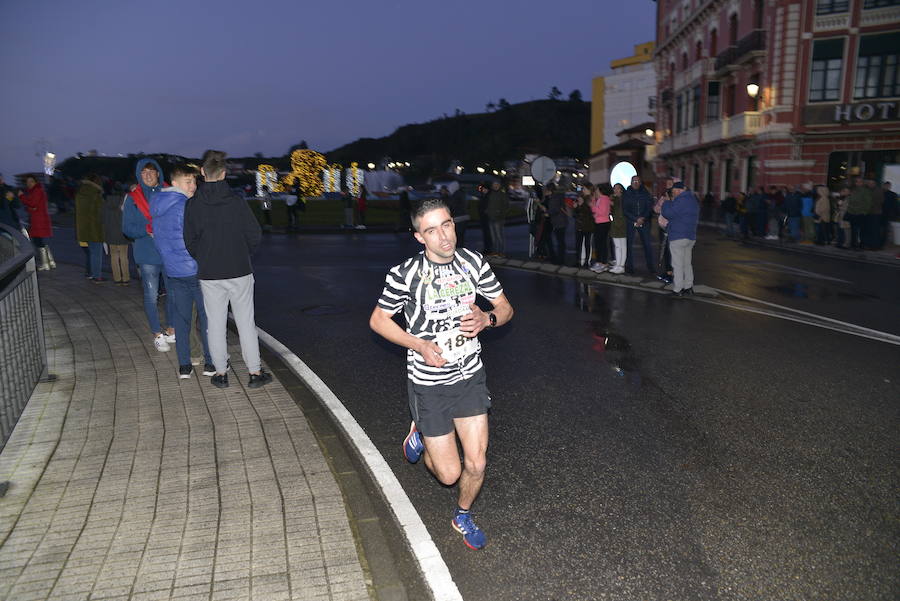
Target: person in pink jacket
<point x="600" y="207"/>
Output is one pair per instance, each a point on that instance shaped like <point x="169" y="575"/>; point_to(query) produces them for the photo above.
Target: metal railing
<point x="23" y="352"/>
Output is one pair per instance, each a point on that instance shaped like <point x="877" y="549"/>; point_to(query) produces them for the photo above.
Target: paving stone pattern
<point x="128" y="483"/>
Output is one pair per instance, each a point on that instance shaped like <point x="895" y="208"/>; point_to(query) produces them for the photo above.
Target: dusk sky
<point x="165" y="76"/>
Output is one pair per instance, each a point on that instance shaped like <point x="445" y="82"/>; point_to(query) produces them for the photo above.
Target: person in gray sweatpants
<point x="221" y="232"/>
<point x="683" y="213"/>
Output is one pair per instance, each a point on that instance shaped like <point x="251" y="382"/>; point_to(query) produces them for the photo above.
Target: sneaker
<point x="472" y="534"/>
<point x="259" y="380"/>
<point x="170" y="338"/>
<point x="209" y="369"/>
<point x="219" y="381"/>
<point x="413" y="447"/>
<point x="185" y="371"/>
<point x="160" y="343"/>
<point x="617" y="270"/>
<point x="598" y="268"/>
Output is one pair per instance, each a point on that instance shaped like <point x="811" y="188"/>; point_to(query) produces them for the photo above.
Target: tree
<point x="575" y="96"/>
<point x="490" y="106"/>
<point x="555" y="93"/>
<point x="301" y="146"/>
<point x="258" y="155"/>
<point x="503" y="104"/>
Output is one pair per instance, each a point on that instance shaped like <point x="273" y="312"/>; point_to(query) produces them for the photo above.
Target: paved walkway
<point x="128" y="483"/>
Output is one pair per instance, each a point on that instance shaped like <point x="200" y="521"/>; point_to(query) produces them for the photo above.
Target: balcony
<point x="747" y="48"/>
<point x="692" y="74"/>
<point x="666" y="96"/>
<point x="687" y="138"/>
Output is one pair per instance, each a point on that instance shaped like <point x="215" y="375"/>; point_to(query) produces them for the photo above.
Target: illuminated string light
<point x="306" y="167"/>
<point x="331" y="178"/>
<point x="267" y="175"/>
<point x="354" y="178"/>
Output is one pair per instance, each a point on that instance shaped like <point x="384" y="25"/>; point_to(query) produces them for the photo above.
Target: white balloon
<point x="622" y="174"/>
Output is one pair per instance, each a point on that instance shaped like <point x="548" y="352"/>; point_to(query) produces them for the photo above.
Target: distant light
<point x="648" y="132"/>
<point x="371" y="165"/>
<point x="406" y="163"/>
<point x="527" y="180"/>
<point x="479" y="169"/>
<point x="503" y="172"/>
<point x="495" y="172"/>
<point x="752" y="90"/>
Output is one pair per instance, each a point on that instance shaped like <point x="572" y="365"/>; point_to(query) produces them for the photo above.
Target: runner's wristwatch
<point x="493" y="319"/>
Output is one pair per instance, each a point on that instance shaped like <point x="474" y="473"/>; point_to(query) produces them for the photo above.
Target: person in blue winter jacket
<point x="137" y="225"/>
<point x="167" y="211"/>
<point x="683" y="212"/>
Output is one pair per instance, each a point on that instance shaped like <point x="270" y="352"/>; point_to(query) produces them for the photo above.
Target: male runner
<point x="446" y="381"/>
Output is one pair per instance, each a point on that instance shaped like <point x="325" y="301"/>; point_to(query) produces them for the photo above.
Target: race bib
<point x="454" y="345"/>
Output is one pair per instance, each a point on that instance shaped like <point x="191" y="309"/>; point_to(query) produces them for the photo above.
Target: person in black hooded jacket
<point x="221" y="233"/>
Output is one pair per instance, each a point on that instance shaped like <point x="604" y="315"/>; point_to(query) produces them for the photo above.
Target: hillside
<point x="550" y="127"/>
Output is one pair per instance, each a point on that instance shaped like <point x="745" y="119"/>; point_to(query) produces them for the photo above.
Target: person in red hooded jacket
<point x="39" y="228"/>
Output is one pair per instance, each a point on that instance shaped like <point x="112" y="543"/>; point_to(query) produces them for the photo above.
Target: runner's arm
<point x="383" y="324"/>
<point x="472" y="323"/>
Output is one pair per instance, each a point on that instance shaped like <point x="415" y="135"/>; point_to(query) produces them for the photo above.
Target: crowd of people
<point x="854" y="217"/>
<point x="607" y="221"/>
<point x="191" y="241"/>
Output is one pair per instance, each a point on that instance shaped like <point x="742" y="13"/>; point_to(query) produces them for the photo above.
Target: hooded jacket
<point x="136" y="220"/>
<point x="683" y="213"/>
<point x="636" y="203"/>
<point x="220" y="232"/>
<point x="167" y="212"/>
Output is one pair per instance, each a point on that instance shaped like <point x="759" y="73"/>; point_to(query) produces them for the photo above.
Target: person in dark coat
<point x="89" y="222"/>
<point x="115" y="239"/>
<point x="637" y="205"/>
<point x="9" y="206"/>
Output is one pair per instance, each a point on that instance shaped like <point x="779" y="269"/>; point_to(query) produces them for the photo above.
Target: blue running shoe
<point x="472" y="534"/>
<point x="413" y="447"/>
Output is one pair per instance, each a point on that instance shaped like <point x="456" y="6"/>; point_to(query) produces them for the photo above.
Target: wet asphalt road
<point x="641" y="447"/>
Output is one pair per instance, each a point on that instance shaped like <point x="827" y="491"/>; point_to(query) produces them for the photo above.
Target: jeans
<point x="857" y="221"/>
<point x="558" y="246"/>
<point x="601" y="241"/>
<point x="150" y="284"/>
<point x="794" y="228"/>
<point x="497" y="240"/>
<point x="185" y="293"/>
<point x="95" y="255"/>
<point x="216" y="296"/>
<point x="644" y="233"/>
<point x="682" y="267"/>
<point x="583" y="246"/>
<point x="730" y="230"/>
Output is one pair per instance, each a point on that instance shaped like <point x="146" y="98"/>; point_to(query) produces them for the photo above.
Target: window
<point x="684" y="61"/>
<point x="695" y="180"/>
<point x="877" y="69"/>
<point x="710" y="167"/>
<point x="828" y="61"/>
<point x="758" y="9"/>
<point x="751" y="172"/>
<point x="729" y="104"/>
<point x="732" y="30"/>
<point x="879" y="3"/>
<point x="695" y="107"/>
<point x="828" y="7"/>
<point x="713" y="42"/>
<point x="698" y="50"/>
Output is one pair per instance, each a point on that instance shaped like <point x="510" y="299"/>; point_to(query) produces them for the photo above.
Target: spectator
<point x="793" y="206"/>
<point x="584" y="226"/>
<point x="496" y="207"/>
<point x="840" y="217"/>
<point x="488" y="246"/>
<point x="559" y="212"/>
<point x="754" y="211"/>
<point x="137" y="225"/>
<point x="857" y="208"/>
<point x="294" y="203"/>
<point x="891" y="210"/>
<point x="9" y="207"/>
<point x="34" y="199"/>
<point x="459" y="209"/>
<point x="221" y="233"/>
<point x="822" y="212"/>
<point x="683" y="214"/>
<point x="361" y="207"/>
<point x="729" y="211"/>
<point x="618" y="229"/>
<point x="874" y="216"/>
<point x="403" y="221"/>
<point x="116" y="240"/>
<point x="167" y="209"/>
<point x="265" y="207"/>
<point x="807" y="214"/>
<point x="89" y="222"/>
<point x="600" y="205"/>
<point x="774" y="206"/>
<point x="348" y="201"/>
<point x="665" y="260"/>
<point x="637" y="205"/>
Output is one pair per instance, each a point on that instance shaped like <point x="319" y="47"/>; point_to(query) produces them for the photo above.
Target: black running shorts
<point x="433" y="408"/>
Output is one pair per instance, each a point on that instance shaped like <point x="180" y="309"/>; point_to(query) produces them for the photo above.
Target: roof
<point x="638" y="128"/>
<point x="631" y="144"/>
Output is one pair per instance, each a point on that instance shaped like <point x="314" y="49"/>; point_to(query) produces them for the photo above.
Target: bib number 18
<point x="455" y="346"/>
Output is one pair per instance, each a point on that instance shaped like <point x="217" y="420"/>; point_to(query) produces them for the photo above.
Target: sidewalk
<point x="128" y="483"/>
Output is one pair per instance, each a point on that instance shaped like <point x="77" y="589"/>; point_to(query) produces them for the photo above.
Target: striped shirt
<point x="433" y="298"/>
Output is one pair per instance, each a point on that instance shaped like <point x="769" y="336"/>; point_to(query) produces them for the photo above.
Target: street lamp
<point x="371" y="165"/>
<point x="479" y="169"/>
<point x="752" y="90"/>
<point x="648" y="132"/>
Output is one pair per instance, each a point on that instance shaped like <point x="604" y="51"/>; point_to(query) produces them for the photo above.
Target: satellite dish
<point x="622" y="174"/>
<point x="543" y="169"/>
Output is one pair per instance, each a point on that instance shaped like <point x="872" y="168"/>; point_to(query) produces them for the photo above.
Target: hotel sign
<point x="859" y="112"/>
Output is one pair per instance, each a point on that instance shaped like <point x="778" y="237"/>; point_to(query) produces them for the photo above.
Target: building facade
<point x="623" y="98"/>
<point x="762" y="92"/>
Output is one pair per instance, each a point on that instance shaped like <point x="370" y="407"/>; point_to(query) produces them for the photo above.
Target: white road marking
<point x="434" y="570"/>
